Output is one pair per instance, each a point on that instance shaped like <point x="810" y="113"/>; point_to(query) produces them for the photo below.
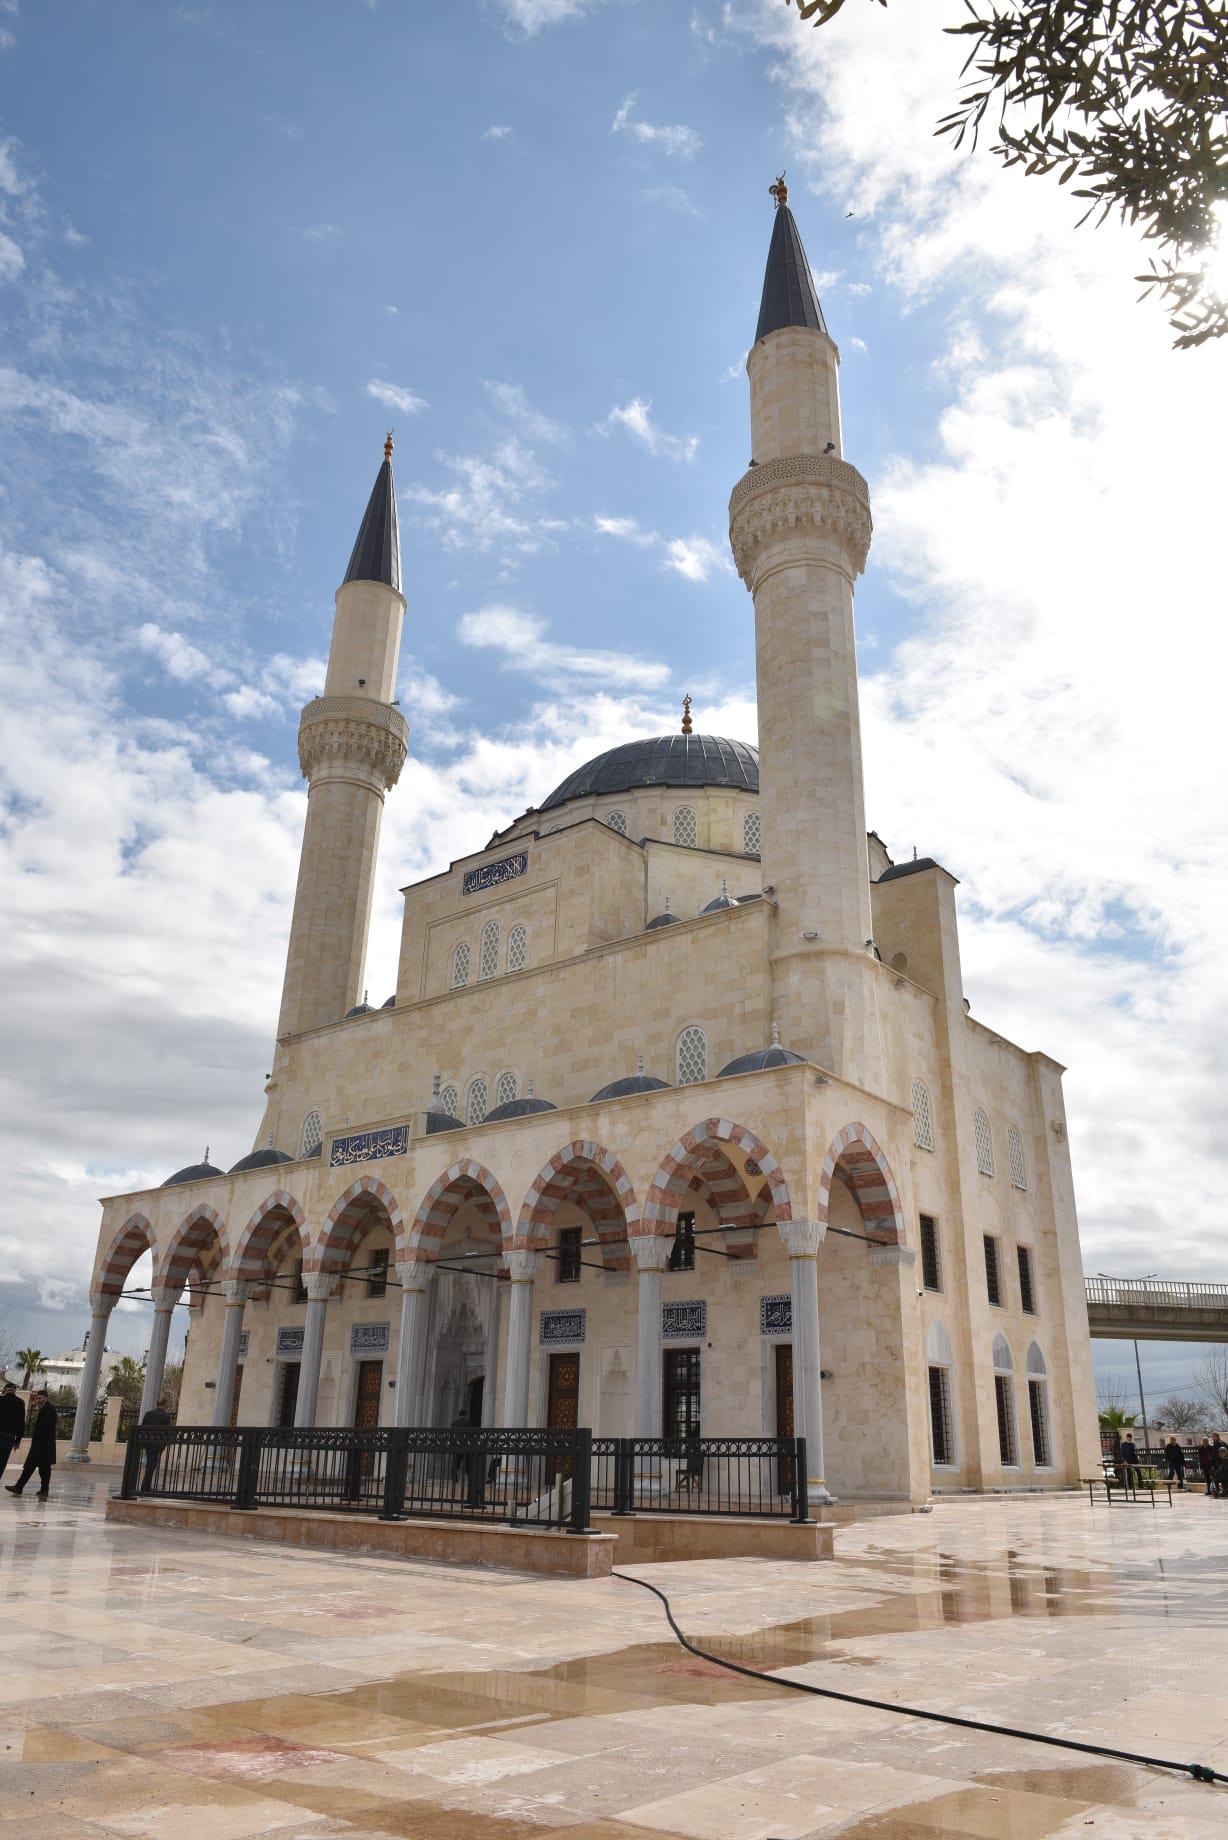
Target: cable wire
<point x="1201" y="1772"/>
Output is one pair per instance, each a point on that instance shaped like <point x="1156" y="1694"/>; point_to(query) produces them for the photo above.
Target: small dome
<point x="195" y="1172"/>
<point x="773" y="1056"/>
<point x="441" y="1121"/>
<point x="622" y="1089"/>
<point x="258" y="1159"/>
<point x="663" y="919"/>
<point x="359" y="1009"/>
<point x="389" y="1002"/>
<point x="723" y="899"/>
<point x="518" y="1108"/>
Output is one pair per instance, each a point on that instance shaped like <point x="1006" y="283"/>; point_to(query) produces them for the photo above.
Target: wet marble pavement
<point x="164" y="1684"/>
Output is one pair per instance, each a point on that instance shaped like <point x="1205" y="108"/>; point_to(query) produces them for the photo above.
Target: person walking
<point x="1221" y="1473"/>
<point x="1174" y="1462"/>
<point x="1128" y="1458"/>
<point x="41" y="1454"/>
<point x="12" y="1422"/>
<point x="1206" y="1463"/>
<point x="1216" y="1446"/>
<point x="158" y="1415"/>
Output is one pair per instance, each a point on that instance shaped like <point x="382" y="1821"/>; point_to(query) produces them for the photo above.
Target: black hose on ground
<point x="1201" y="1772"/>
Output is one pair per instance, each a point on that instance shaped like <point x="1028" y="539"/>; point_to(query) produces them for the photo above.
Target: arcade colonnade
<point x="718" y="1162"/>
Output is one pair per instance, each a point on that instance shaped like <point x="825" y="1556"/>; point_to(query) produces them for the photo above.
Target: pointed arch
<point x="693" y="1153"/>
<point x="365" y="1203"/>
<point x="127" y="1244"/>
<point x="859" y="1161"/>
<point x="195" y="1243"/>
<point x="276" y="1215"/>
<point x="462" y="1183"/>
<point x="589" y="1175"/>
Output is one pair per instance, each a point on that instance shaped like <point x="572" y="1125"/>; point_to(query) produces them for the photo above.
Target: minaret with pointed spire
<point x="351" y="746"/>
<point x="799" y="526"/>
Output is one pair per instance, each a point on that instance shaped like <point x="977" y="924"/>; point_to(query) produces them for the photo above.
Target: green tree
<point x="1128" y="99"/>
<point x="1113" y="1418"/>
<point x="127" y="1380"/>
<point x="30" y="1361"/>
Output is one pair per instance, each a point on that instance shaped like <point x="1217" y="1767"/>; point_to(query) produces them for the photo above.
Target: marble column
<point x="319" y="1286"/>
<point x="417" y="1276"/>
<point x="522" y="1268"/>
<point x="802" y="1241"/>
<point x="651" y="1252"/>
<point x="236" y="1292"/>
<point x="491" y="1356"/>
<point x="165" y="1297"/>
<point x="87" y="1398"/>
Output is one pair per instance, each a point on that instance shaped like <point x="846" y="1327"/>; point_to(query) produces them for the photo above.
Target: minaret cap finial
<point x="776" y="1035"/>
<point x="436" y="1088"/>
<point x="529" y="1090"/>
<point x="639" y="1066"/>
<point x="779" y="191"/>
<point x="686" y="715"/>
<point x="388" y="445"/>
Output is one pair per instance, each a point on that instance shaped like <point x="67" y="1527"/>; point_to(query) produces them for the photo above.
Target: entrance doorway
<point x="473" y="1401"/>
<point x="234" y="1403"/>
<point x="563" y="1401"/>
<point x="367" y="1394"/>
<point x="287" y="1398"/>
<point x="784" y="1410"/>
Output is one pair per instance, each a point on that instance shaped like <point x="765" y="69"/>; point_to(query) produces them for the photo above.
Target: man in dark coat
<point x="1127" y="1460"/>
<point x="156" y="1416"/>
<point x="12" y="1423"/>
<point x="1216" y="1447"/>
<point x="1206" y="1462"/>
<point x="1174" y="1462"/>
<point x="41" y="1454"/>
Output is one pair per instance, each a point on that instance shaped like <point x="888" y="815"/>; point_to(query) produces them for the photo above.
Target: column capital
<point x="415" y="1274"/>
<point x="319" y="1285"/>
<point x="101" y="1305"/>
<point x="902" y="1256"/>
<point x="651" y="1250"/>
<point x="802" y="1237"/>
<point x="166" y="1296"/>
<point x="522" y="1266"/>
<point x="237" y="1292"/>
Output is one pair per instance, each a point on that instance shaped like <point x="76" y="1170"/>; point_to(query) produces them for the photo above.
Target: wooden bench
<point x="1139" y="1485"/>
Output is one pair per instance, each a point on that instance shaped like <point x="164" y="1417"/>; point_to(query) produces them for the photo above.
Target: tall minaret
<point x="799" y="525"/>
<point x="351" y="747"/>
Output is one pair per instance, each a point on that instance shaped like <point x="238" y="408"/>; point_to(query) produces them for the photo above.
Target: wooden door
<point x="473" y="1401"/>
<point x="234" y="1404"/>
<point x="563" y="1400"/>
<point x="289" y="1394"/>
<point x="784" y="1409"/>
<point x="367" y="1394"/>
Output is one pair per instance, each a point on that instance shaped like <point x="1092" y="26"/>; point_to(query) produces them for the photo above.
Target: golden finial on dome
<point x="388" y="445"/>
<point x="779" y="191"/>
<point x="686" y="715"/>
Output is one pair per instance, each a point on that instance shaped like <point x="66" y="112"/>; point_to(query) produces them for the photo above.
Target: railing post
<point x="249" y="1467"/>
<point x="132" y="1458"/>
<point x="801" y="1499"/>
<point x="624" y="1476"/>
<point x="581" y="1466"/>
<point x="396" y="1470"/>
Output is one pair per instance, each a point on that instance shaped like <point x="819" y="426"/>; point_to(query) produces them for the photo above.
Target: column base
<point x="76" y="1456"/>
<point x="818" y="1491"/>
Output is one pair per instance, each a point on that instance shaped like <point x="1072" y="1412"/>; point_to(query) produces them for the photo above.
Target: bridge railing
<point x="1159" y="1293"/>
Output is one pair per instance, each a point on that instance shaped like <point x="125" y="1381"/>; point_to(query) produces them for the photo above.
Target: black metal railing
<point x="532" y="1478"/>
<point x="762" y="1477"/>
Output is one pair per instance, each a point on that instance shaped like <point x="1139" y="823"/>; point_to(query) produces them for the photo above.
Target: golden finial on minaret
<point x="686" y="715"/>
<point x="388" y="445"/>
<point x="779" y="191"/>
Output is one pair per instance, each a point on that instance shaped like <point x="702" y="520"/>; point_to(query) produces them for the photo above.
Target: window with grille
<point x="617" y="821"/>
<point x="686" y="826"/>
<point x="449" y="1100"/>
<point x="460" y="966"/>
<point x="1014" y="1151"/>
<point x="993" y="1272"/>
<point x="517" y="948"/>
<point x="984" y="1142"/>
<point x="931" y="1264"/>
<point x="312" y="1135"/>
<point x="477" y="1102"/>
<point x="692" y="1057"/>
<point x="1004" y="1399"/>
<point x="488" y="957"/>
<point x="682" y="1252"/>
<point x="507" y="1088"/>
<point x="752" y="833"/>
<point x="1027" y="1288"/>
<point x="377" y="1272"/>
<point x="680" y="1392"/>
<point x="940" y="1415"/>
<point x="298" y="1290"/>
<point x="1038" y="1411"/>
<point x="567" y="1266"/>
<point x="922" y="1116"/>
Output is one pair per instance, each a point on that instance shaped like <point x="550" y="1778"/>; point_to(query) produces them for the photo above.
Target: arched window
<point x="752" y="833"/>
<point x="1004" y="1400"/>
<point x="449" y="1100"/>
<point x="1014" y="1155"/>
<point x="692" y="1058"/>
<point x="922" y="1116"/>
<point x="476" y="1110"/>
<point x="984" y="1142"/>
<point x="507" y="1088"/>
<point x="1038" y="1408"/>
<point x="517" y="948"/>
<point x="460" y="966"/>
<point x="312" y="1135"/>
<point x="488" y="958"/>
<point x="939" y="1361"/>
<point x="686" y="826"/>
<point x="617" y="821"/>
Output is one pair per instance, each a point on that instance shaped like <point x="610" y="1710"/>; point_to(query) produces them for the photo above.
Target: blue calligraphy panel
<point x="684" y="1322"/>
<point x="776" y="1315"/>
<point x="289" y="1343"/>
<point x="489" y="875"/>
<point x="561" y="1326"/>
<point x="369" y="1338"/>
<point x="368" y="1146"/>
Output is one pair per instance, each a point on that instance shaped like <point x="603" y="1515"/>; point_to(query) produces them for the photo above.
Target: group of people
<point x="1212" y="1463"/>
<point x="38" y="1426"/>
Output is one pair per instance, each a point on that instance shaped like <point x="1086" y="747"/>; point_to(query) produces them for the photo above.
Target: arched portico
<point x="130" y="1241"/>
<point x="856" y="1159"/>
<point x="450" y="1316"/>
<point x="275" y="1237"/>
<point x="126" y="1246"/>
<point x="588" y="1177"/>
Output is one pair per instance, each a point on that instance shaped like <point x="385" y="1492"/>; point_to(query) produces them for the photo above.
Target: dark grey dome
<point x="359" y="1009"/>
<point x="666" y="760"/>
<point x="519" y="1108"/>
<point x="441" y="1121"/>
<point x="259" y="1159"/>
<point x="724" y="899"/>
<point x="666" y="919"/>
<point x="622" y="1089"/>
<point x="195" y="1172"/>
<point x="389" y="1002"/>
<point x="773" y="1056"/>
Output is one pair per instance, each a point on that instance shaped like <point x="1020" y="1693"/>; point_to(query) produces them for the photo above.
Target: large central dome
<point x="664" y="760"/>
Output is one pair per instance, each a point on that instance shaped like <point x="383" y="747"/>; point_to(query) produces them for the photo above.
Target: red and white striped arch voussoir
<point x="866" y="1171"/>
<point x="686" y="1158"/>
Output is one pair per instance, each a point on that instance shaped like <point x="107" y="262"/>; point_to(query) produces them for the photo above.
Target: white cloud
<point x="676" y="140"/>
<point x="672" y="198"/>
<point x="635" y="419"/>
<point x="497" y="131"/>
<point x="489" y="503"/>
<point x="511" y="401"/>
<point x="628" y="529"/>
<point x="521" y="638"/>
<point x="10" y="180"/>
<point x="529" y="17"/>
<point x="396" y="396"/>
<point x="695" y="558"/>
<point x="318" y="233"/>
<point x="11" y="259"/>
<point x="247" y="703"/>
<point x="180" y="659"/>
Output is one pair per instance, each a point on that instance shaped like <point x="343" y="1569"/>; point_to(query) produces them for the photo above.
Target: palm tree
<point x="1113" y="1418"/>
<point x="127" y="1379"/>
<point x="31" y="1362"/>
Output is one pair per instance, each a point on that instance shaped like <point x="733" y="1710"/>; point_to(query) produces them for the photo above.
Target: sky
<point x="238" y="242"/>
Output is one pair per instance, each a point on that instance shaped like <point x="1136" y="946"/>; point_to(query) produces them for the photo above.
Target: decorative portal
<point x="490" y="875"/>
<point x="369" y="1338"/>
<point x="776" y="1314"/>
<point x="368" y="1146"/>
<point x="684" y="1322"/>
<point x="561" y="1328"/>
<point x="245" y="1342"/>
<point x="289" y="1344"/>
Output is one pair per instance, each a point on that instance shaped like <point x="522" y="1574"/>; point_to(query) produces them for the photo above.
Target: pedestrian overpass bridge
<point x="1157" y="1310"/>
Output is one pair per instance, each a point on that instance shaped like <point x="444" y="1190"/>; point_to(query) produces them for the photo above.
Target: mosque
<point x="677" y="1119"/>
